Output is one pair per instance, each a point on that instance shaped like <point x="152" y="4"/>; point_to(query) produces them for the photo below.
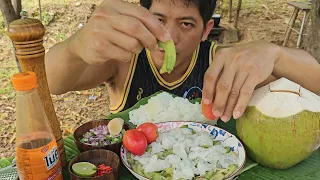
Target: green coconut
<point x="281" y="125"/>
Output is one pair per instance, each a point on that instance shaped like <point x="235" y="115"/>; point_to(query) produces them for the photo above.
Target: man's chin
<point x="158" y="58"/>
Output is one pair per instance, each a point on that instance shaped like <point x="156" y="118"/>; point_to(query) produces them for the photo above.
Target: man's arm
<point x="270" y="79"/>
<point x="115" y="31"/>
<point x="298" y="66"/>
<point x="67" y="72"/>
<point x="231" y="79"/>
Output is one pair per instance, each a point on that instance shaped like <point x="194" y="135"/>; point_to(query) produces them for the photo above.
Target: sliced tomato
<point x="207" y="111"/>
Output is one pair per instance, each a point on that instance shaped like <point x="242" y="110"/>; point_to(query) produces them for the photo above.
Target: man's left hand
<point x="233" y="75"/>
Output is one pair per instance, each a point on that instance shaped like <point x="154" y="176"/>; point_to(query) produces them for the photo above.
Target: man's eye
<point x="187" y="24"/>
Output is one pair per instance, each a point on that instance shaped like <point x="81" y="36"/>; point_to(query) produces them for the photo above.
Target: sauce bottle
<point x="37" y="155"/>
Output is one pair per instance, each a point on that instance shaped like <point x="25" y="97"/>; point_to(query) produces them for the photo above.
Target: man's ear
<point x="207" y="30"/>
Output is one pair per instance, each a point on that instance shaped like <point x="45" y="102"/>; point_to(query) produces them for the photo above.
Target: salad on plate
<point x="184" y="153"/>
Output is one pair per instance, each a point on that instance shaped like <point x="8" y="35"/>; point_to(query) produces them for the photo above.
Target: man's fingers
<point x="146" y="17"/>
<point x="135" y="28"/>
<point x="210" y="80"/>
<point x="125" y="41"/>
<point x="245" y="95"/>
<point x="223" y="88"/>
<point x="240" y="79"/>
<point x="114" y="52"/>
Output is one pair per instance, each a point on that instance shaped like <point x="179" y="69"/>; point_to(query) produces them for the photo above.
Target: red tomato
<point x="135" y="142"/>
<point x="150" y="130"/>
<point x="207" y="111"/>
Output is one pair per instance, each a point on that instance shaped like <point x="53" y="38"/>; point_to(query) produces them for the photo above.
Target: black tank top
<point x="143" y="78"/>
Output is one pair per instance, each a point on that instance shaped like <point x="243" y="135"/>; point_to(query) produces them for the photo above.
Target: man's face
<point x="184" y="24"/>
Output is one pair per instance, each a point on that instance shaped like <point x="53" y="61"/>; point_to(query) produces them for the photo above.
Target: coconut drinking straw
<point x="27" y="36"/>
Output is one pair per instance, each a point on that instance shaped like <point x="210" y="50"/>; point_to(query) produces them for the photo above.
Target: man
<point x="119" y="46"/>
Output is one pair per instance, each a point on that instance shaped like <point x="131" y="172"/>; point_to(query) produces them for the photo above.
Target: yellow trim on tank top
<point x="178" y="82"/>
<point x="126" y="88"/>
<point x="214" y="47"/>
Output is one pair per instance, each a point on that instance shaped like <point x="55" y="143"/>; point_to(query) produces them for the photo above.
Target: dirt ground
<point x="259" y="20"/>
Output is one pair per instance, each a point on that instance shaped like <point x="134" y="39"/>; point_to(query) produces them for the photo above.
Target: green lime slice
<point x="84" y="169"/>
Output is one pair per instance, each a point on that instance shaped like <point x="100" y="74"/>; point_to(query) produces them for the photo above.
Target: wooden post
<point x="230" y="11"/>
<point x="237" y="14"/>
<point x="27" y="35"/>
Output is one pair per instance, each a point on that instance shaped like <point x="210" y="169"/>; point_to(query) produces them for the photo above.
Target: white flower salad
<point x="183" y="153"/>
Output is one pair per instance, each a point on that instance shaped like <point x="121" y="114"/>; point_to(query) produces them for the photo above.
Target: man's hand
<point x="117" y="30"/>
<point x="232" y="77"/>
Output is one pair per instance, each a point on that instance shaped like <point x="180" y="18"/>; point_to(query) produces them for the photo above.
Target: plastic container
<point x="37" y="155"/>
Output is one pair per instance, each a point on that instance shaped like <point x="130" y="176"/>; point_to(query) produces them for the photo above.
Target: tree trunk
<point x="17" y="7"/>
<point x="314" y="32"/>
<point x="8" y="11"/>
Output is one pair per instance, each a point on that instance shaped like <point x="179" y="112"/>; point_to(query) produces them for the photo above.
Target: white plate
<point x="218" y="134"/>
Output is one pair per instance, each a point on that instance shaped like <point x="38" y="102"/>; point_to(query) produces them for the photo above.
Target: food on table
<point x="135" y="141"/>
<point x="150" y="130"/>
<point x="164" y="107"/>
<point x="84" y="169"/>
<point x="281" y="124"/>
<point x="183" y="153"/>
<point x="115" y="126"/>
<point x="207" y="111"/>
<point x="169" y="56"/>
<point x="101" y="136"/>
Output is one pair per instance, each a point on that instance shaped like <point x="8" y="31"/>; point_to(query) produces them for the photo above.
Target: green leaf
<point x="309" y="169"/>
<point x="4" y="163"/>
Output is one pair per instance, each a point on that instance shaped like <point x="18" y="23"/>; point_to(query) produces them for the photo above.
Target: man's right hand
<point x="117" y="30"/>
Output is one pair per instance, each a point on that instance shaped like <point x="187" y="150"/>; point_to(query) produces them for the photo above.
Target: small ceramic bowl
<point x="98" y="156"/>
<point x="81" y="130"/>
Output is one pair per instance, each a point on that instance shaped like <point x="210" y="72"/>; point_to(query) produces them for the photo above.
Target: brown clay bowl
<point x="81" y="130"/>
<point x="98" y="156"/>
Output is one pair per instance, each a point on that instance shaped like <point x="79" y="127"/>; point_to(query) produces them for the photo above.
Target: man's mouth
<point x="162" y="51"/>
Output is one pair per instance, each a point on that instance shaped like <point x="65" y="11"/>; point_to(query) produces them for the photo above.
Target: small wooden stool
<point x="298" y="6"/>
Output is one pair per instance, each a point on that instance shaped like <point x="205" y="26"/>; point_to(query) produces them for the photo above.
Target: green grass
<point x="61" y="36"/>
<point x="5" y="76"/>
<point x="34" y="4"/>
<point x="251" y="5"/>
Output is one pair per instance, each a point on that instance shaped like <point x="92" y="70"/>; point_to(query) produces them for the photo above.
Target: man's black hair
<point x="206" y="7"/>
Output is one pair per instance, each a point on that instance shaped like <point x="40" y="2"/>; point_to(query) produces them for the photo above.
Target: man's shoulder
<point x="206" y="42"/>
<point x="206" y="46"/>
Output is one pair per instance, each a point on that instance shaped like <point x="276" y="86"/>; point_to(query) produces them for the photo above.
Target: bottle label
<point x="41" y="163"/>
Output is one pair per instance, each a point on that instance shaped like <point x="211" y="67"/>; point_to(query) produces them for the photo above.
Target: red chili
<point x="103" y="169"/>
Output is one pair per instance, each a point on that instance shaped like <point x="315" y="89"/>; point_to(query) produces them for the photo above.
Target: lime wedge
<point x="84" y="169"/>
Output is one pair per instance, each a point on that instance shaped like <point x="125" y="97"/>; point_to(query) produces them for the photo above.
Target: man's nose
<point x="174" y="33"/>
